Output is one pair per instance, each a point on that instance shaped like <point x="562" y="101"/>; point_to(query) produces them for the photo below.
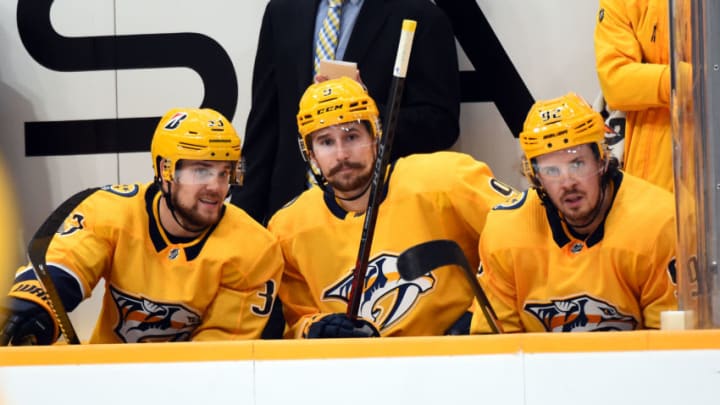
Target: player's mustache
<point x="211" y="196"/>
<point x="572" y="192"/>
<point x="344" y="165"/>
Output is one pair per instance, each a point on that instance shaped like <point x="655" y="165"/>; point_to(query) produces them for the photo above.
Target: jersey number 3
<point x="269" y="296"/>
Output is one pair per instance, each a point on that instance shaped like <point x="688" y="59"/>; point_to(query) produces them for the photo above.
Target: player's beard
<point x="192" y="215"/>
<point x="582" y="215"/>
<point x="348" y="182"/>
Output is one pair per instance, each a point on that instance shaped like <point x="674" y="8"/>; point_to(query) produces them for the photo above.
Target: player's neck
<point x="599" y="218"/>
<point x="358" y="204"/>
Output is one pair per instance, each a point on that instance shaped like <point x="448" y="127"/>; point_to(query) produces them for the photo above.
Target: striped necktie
<point x="328" y="35"/>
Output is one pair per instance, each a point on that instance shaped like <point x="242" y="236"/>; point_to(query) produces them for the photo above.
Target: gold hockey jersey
<point x="539" y="277"/>
<point x="443" y="195"/>
<point x="220" y="285"/>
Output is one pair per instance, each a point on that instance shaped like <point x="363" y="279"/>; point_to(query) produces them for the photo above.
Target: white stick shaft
<point x="403" y="55"/>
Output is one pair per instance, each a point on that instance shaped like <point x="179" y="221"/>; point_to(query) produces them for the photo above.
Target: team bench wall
<point x="646" y="367"/>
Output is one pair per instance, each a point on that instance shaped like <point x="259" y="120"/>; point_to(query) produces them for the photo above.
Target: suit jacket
<point x="430" y="108"/>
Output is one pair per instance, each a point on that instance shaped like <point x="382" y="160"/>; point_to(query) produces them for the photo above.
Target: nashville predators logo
<point x="386" y="298"/>
<point x="141" y="320"/>
<point x="580" y="314"/>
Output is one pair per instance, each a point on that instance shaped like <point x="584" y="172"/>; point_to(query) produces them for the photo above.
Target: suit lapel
<point x="304" y="16"/>
<point x="368" y="24"/>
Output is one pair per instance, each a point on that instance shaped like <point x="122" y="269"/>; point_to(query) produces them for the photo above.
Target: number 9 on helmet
<point x="194" y="134"/>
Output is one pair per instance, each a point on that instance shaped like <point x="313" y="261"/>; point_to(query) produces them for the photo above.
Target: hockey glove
<point x="461" y="326"/>
<point x="340" y="326"/>
<point x="25" y="322"/>
<point x="25" y="316"/>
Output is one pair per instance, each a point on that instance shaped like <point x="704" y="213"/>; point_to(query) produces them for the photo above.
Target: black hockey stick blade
<point x="37" y="248"/>
<point x="379" y="170"/>
<point x="428" y="256"/>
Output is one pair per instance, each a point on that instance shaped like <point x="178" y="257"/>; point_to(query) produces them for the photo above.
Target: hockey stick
<point x="425" y="257"/>
<point x="37" y="248"/>
<point x="381" y="163"/>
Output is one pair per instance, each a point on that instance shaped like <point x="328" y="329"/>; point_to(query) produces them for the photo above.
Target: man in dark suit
<point x="430" y="109"/>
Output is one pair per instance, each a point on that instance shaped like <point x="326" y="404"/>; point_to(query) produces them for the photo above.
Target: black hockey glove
<point x="340" y="326"/>
<point x="461" y="326"/>
<point x="24" y="322"/>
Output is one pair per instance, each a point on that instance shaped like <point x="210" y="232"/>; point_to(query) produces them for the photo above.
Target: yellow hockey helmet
<point x="194" y="134"/>
<point x="558" y="124"/>
<point x="333" y="102"/>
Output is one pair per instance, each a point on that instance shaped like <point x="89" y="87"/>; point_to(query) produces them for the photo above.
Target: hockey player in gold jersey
<point x="588" y="247"/>
<point x="443" y="195"/>
<point x="167" y="250"/>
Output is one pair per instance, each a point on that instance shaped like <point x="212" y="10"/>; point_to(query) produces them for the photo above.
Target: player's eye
<point x="202" y="172"/>
<point x="550" y="171"/>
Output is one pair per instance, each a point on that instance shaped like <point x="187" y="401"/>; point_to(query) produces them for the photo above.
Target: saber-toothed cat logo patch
<point x="386" y="298"/>
<point x="580" y="314"/>
<point x="142" y="320"/>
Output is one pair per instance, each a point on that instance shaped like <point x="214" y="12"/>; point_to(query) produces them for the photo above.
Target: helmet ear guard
<point x="529" y="173"/>
<point x="168" y="172"/>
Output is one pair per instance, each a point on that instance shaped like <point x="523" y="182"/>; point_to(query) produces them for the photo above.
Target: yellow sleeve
<point x="244" y="300"/>
<point x="499" y="286"/>
<point x="475" y="190"/>
<point x="299" y="306"/>
<point x="84" y="246"/>
<point x="628" y="83"/>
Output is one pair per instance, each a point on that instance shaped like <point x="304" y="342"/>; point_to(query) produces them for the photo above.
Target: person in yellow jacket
<point x="632" y="60"/>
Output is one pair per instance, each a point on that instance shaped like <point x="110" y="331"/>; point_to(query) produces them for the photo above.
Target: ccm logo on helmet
<point x="329" y="108"/>
<point x="175" y="120"/>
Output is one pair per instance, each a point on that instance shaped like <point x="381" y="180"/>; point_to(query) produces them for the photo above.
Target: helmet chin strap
<point x="355" y="197"/>
<point x="171" y="207"/>
<point x="598" y="207"/>
<point x="596" y="211"/>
